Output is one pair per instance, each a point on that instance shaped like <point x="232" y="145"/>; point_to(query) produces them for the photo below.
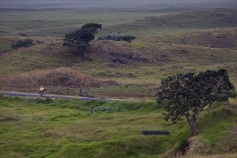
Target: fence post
<point x="79" y="110"/>
<point x="80" y="92"/>
<point x="89" y="94"/>
<point x="92" y="110"/>
<point x="59" y="90"/>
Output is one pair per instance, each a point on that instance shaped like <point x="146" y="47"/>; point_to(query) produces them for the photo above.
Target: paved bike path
<point x="36" y="95"/>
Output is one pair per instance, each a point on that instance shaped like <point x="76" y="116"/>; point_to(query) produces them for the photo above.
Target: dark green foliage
<point x="13" y="99"/>
<point x="80" y="38"/>
<point x="2" y="96"/>
<point x="126" y="38"/>
<point x="188" y="94"/>
<point x="92" y="26"/>
<point x="48" y="100"/>
<point x="23" y="43"/>
<point x="183" y="146"/>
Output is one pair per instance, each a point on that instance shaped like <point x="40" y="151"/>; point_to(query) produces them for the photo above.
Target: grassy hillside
<point x="134" y="67"/>
<point x="183" y="21"/>
<point x="139" y="23"/>
<point x="168" y="42"/>
<point x="47" y="128"/>
<point x="57" y="22"/>
<point x="184" y="42"/>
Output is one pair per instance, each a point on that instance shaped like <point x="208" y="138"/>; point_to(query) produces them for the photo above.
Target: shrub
<point x="126" y="38"/>
<point x="48" y="100"/>
<point x="22" y="43"/>
<point x="183" y="147"/>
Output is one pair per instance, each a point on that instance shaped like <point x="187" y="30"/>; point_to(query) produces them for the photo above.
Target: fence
<point x="70" y="88"/>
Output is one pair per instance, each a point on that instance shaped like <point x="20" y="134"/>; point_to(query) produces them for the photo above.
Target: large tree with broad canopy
<point x="80" y="38"/>
<point x="188" y="94"/>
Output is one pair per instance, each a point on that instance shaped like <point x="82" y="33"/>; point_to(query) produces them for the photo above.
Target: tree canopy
<point x="80" y="38"/>
<point x="188" y="94"/>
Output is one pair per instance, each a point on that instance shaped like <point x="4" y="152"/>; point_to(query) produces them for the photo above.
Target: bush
<point x="2" y="96"/>
<point x="126" y="38"/>
<point x="22" y="43"/>
<point x="43" y="101"/>
<point x="48" y="100"/>
<point x="183" y="147"/>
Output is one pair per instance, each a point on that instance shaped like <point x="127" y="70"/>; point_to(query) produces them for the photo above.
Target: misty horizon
<point x="126" y="4"/>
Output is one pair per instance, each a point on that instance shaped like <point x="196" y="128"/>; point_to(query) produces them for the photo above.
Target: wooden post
<point x="80" y="92"/>
<point x="59" y="90"/>
<point x="33" y="115"/>
<point x="81" y="85"/>
<point x="89" y="94"/>
<point x="92" y="110"/>
<point x="79" y="110"/>
<point x="68" y="89"/>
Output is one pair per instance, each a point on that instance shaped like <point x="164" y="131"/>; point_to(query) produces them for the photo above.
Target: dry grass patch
<point x="52" y="77"/>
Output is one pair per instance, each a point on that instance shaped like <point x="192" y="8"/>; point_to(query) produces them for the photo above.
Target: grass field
<point x="47" y="128"/>
<point x="169" y="41"/>
<point x="57" y="22"/>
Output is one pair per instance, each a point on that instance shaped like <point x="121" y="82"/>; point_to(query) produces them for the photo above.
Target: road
<point x="36" y="95"/>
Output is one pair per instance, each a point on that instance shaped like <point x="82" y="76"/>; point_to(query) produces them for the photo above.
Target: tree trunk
<point x="193" y="127"/>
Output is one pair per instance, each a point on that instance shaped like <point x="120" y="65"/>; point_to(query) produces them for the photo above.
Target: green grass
<point x="60" y="21"/>
<point x="30" y="129"/>
<point x="139" y="23"/>
<point x="171" y="41"/>
<point x="38" y="128"/>
<point x="220" y="137"/>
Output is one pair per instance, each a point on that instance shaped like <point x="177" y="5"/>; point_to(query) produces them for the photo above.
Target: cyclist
<point x="41" y="91"/>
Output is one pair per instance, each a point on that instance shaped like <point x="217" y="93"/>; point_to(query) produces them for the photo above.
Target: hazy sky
<point x="146" y="4"/>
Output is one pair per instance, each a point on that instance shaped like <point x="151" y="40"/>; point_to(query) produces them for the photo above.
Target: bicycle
<point x="41" y="93"/>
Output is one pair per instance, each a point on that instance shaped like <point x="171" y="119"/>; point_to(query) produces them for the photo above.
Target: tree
<point x="188" y="94"/>
<point x="80" y="38"/>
